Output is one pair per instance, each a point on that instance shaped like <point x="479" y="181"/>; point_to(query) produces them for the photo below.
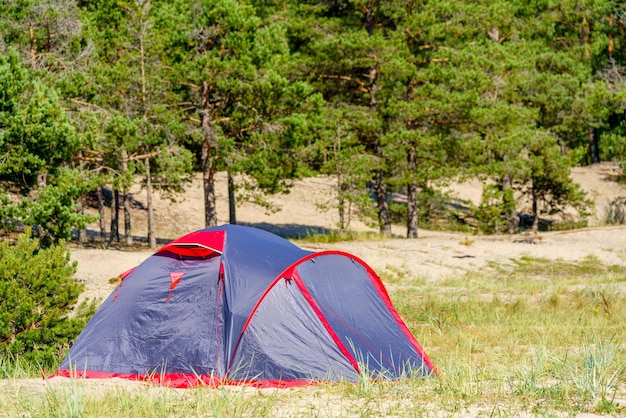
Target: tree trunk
<point x="341" y="202"/>
<point x="80" y="208"/>
<point x="209" y="149"/>
<point x="145" y="6"/>
<point x="232" y="208"/>
<point x="594" y="149"/>
<point x="208" y="180"/>
<point x="115" y="216"/>
<point x="32" y="50"/>
<point x="411" y="195"/>
<point x="384" y="218"/>
<point x="512" y="219"/>
<point x="101" y="213"/>
<point x="535" y="227"/>
<point x="341" y="186"/>
<point x="126" y="199"/>
<point x="80" y="205"/>
<point x="611" y="47"/>
<point x="151" y="234"/>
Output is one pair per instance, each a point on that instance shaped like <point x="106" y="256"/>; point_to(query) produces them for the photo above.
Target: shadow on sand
<point x="289" y="230"/>
<point x="294" y="231"/>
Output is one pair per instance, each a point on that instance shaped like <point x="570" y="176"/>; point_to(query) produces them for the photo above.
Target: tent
<point x="235" y="304"/>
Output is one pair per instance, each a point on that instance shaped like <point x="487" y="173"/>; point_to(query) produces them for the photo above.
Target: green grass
<point x="529" y="335"/>
<point x="17" y="368"/>
<point x="542" y="268"/>
<point x="549" y="335"/>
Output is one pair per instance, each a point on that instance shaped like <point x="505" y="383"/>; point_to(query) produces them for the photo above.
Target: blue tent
<point x="235" y="304"/>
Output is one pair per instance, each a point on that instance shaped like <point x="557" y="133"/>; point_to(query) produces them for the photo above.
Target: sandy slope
<point x="433" y="255"/>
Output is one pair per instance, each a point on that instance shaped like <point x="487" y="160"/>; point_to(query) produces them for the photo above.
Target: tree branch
<point x="364" y="86"/>
<point x="89" y="105"/>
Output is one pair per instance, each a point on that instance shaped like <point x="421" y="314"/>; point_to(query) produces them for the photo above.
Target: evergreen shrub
<point x="38" y="294"/>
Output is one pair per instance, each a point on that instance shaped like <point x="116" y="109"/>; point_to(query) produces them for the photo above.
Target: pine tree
<point x="38" y="316"/>
<point x="245" y="114"/>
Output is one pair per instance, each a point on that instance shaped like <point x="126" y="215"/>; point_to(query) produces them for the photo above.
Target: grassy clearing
<point x="528" y="336"/>
<point x="532" y="334"/>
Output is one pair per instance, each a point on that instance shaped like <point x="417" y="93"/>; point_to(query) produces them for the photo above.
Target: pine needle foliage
<point x="37" y="298"/>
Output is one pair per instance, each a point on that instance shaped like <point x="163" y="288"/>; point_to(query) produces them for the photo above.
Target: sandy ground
<point x="432" y="256"/>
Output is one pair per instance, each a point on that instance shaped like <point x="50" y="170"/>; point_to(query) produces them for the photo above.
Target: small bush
<point x="615" y="211"/>
<point x="495" y="207"/>
<point x="37" y="294"/>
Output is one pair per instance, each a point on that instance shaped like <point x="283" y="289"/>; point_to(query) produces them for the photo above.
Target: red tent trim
<point x="378" y="284"/>
<point x="196" y="244"/>
<point x="126" y="273"/>
<point x="290" y="273"/>
<point x="184" y="380"/>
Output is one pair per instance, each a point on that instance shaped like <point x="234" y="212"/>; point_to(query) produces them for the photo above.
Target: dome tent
<point x="235" y="304"/>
